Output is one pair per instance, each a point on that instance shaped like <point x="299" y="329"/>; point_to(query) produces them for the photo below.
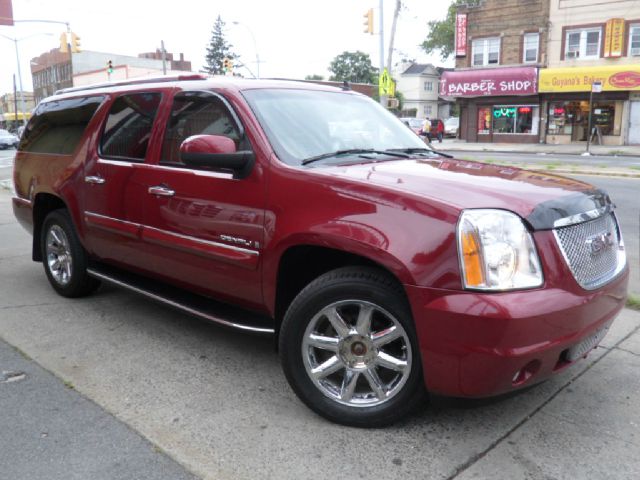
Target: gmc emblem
<point x="599" y="243"/>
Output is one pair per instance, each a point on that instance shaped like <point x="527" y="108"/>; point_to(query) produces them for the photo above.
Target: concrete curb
<point x="536" y="152"/>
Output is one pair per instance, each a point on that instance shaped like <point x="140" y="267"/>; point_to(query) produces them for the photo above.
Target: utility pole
<point x="164" y="58"/>
<point x="596" y="87"/>
<point x="392" y="37"/>
<point x="383" y="98"/>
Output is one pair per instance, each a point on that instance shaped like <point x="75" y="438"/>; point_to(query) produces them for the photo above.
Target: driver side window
<point x="196" y="113"/>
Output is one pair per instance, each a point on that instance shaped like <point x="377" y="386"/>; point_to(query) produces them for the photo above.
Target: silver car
<point x="8" y="140"/>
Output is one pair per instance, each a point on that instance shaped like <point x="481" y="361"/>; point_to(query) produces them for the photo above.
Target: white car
<point x="451" y="126"/>
<point x="8" y="140"/>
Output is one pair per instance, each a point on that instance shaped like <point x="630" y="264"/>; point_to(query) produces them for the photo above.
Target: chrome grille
<point x="593" y="250"/>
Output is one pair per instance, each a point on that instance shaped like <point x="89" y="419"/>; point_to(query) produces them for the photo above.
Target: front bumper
<point x="484" y="344"/>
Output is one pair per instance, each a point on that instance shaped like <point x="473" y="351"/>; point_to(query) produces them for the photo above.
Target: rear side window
<point x="196" y="113"/>
<point x="128" y="129"/>
<point x="57" y="127"/>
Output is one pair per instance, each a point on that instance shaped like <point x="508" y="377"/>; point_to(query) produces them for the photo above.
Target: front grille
<point x="593" y="250"/>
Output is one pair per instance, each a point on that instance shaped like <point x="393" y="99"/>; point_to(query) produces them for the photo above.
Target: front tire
<point x="64" y="258"/>
<point x="348" y="348"/>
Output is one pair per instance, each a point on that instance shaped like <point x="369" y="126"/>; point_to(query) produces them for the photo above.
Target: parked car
<point x="8" y="140"/>
<point x="383" y="269"/>
<point x="415" y="124"/>
<point x="451" y="126"/>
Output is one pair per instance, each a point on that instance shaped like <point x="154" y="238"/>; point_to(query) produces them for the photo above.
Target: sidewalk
<point x="455" y="144"/>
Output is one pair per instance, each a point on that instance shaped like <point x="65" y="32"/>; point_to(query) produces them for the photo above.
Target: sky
<point x="293" y="38"/>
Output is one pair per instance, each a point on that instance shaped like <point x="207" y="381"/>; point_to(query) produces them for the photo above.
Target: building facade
<point x="592" y="41"/>
<point x="8" y="103"/>
<point x="419" y="85"/>
<point x="55" y="70"/>
<point x="500" y="46"/>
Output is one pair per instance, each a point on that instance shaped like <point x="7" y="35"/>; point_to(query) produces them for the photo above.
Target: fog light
<point x="526" y="372"/>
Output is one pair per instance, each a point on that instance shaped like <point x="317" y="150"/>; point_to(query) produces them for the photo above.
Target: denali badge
<point x="599" y="243"/>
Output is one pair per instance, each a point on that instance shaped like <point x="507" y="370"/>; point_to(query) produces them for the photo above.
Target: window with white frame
<point x="427" y="110"/>
<point x="428" y="86"/>
<point x="485" y="51"/>
<point x="530" y="46"/>
<point x="582" y="43"/>
<point x="634" y="39"/>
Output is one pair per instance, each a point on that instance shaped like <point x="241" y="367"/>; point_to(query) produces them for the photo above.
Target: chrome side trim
<point x="582" y="217"/>
<point x="201" y="241"/>
<point x="120" y="163"/>
<point x="200" y="173"/>
<point x="24" y="201"/>
<point x="177" y="305"/>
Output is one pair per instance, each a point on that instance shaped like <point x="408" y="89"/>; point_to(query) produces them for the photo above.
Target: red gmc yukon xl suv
<point x="384" y="269"/>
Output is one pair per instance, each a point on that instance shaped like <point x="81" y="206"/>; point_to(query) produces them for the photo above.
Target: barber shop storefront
<point x="496" y="105"/>
<point x="565" y="97"/>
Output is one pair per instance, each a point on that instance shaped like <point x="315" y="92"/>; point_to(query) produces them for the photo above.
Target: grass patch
<point x="615" y="152"/>
<point x="602" y="166"/>
<point x="633" y="302"/>
<point x="69" y="385"/>
<point x="634" y="167"/>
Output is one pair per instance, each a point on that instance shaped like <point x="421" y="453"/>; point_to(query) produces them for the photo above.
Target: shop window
<point x="584" y="43"/>
<point x="522" y="119"/>
<point x="484" y="120"/>
<point x="530" y="45"/>
<point x="634" y="40"/>
<point x="572" y="118"/>
<point x="486" y="51"/>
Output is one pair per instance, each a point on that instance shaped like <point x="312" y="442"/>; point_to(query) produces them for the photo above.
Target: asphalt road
<point x="217" y="402"/>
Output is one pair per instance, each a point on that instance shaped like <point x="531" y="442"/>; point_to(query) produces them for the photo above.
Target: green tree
<point x="353" y="67"/>
<point x="441" y="36"/>
<point x="314" y="77"/>
<point x="217" y="50"/>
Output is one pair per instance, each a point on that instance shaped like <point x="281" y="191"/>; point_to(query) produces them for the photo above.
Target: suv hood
<point x="545" y="201"/>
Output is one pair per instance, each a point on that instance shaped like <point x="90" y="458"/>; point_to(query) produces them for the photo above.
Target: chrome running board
<point x="184" y="301"/>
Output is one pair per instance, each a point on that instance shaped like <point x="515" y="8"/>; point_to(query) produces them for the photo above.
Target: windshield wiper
<point x="429" y="151"/>
<point x="353" y="151"/>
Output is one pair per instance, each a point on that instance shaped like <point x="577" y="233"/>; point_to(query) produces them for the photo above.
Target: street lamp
<point x="255" y="46"/>
<point x="15" y="42"/>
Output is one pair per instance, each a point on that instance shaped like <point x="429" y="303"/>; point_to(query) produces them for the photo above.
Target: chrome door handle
<point x="94" y="179"/>
<point x="162" y="191"/>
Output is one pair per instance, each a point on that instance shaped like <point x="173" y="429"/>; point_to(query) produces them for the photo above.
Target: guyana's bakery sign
<point x="613" y="78"/>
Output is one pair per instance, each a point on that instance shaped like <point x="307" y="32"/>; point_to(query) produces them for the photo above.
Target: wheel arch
<point x="300" y="264"/>
<point x="43" y="204"/>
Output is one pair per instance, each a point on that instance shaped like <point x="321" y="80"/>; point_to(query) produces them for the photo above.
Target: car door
<point x="205" y="228"/>
<point x="113" y="187"/>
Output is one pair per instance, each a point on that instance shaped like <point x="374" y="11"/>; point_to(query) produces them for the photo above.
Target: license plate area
<point x="579" y="350"/>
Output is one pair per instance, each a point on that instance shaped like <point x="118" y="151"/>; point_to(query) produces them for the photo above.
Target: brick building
<point x="500" y="45"/>
<point x="55" y="70"/>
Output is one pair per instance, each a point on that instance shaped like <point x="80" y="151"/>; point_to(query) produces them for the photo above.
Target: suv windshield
<point x="303" y="124"/>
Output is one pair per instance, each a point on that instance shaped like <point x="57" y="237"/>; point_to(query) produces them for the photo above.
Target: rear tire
<point x="349" y="350"/>
<point x="64" y="258"/>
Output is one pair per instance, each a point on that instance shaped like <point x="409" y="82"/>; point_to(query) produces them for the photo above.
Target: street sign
<point x="596" y="87"/>
<point x="386" y="86"/>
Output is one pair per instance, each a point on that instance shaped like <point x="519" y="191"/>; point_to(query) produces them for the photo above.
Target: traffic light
<point x="64" y="48"/>
<point x="109" y="67"/>
<point x="75" y="43"/>
<point x="369" y="21"/>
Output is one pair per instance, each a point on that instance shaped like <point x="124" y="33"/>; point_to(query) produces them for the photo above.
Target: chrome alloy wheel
<point x="58" y="253"/>
<point x="357" y="353"/>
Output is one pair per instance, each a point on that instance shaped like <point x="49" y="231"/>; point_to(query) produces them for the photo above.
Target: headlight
<point x="496" y="251"/>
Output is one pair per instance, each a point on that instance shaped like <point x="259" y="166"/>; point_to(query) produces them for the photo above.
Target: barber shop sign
<point x="490" y="82"/>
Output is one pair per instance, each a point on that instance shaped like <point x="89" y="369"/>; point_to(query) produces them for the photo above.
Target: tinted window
<point x="128" y="128"/>
<point x="196" y="113"/>
<point x="57" y="127"/>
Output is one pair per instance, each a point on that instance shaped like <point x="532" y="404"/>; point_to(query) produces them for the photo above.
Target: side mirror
<point x="216" y="152"/>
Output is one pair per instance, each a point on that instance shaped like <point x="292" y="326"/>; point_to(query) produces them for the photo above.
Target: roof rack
<point x="135" y="81"/>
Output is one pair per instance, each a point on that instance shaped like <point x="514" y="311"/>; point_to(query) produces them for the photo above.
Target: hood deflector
<point x="574" y="208"/>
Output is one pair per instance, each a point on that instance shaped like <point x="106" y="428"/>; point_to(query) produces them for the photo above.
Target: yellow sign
<point x="616" y="78"/>
<point x="386" y="86"/>
<point x="614" y="37"/>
